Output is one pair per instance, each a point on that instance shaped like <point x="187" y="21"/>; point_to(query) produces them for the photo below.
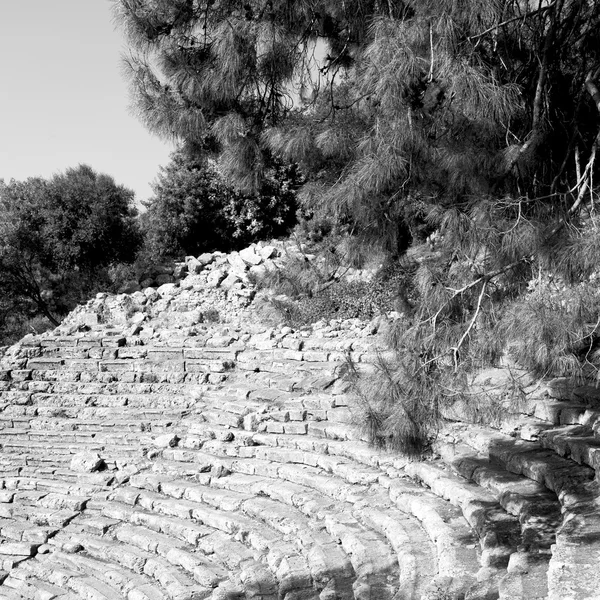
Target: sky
<point x="64" y="99"/>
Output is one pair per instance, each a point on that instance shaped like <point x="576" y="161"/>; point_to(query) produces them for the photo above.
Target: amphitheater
<point x="149" y="452"/>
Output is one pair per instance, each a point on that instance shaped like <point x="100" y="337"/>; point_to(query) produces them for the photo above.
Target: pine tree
<point x="472" y="126"/>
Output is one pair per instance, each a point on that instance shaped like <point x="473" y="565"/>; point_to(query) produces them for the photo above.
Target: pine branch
<point x="532" y="13"/>
<point x="455" y="349"/>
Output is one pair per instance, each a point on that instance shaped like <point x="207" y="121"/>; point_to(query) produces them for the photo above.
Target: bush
<point x="57" y="239"/>
<point x="194" y="210"/>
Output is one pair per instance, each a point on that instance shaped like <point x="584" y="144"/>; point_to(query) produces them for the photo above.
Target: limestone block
<point x="215" y="278"/>
<point x="17" y="548"/>
<point x="239" y="290"/>
<point x="139" y="298"/>
<point x="168" y="440"/>
<point x="151" y="294"/>
<point x="230" y="281"/>
<point x="168" y="289"/>
<point x="193" y="264"/>
<point x="237" y="262"/>
<point x="180" y="270"/>
<point x="249" y="256"/>
<point x="268" y="252"/>
<point x="206" y="258"/>
<point x="86" y="462"/>
<point x="138" y="318"/>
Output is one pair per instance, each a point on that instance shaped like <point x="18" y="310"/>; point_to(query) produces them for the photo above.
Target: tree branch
<point x="456" y="348"/>
<point x="532" y="13"/>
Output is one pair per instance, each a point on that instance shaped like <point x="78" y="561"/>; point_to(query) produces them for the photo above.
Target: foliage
<point x="58" y="237"/>
<point x="389" y="102"/>
<point x="194" y="210"/>
<point x="460" y="135"/>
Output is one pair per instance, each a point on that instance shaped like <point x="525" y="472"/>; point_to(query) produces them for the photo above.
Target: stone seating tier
<point x="231" y="468"/>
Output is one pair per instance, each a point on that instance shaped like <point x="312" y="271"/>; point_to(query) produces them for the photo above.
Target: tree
<point x="194" y="210"/>
<point x="472" y="124"/>
<point x="427" y="99"/>
<point x="57" y="236"/>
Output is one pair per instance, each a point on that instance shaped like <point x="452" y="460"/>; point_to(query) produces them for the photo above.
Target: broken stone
<point x="229" y="281"/>
<point x="168" y="440"/>
<point x="193" y="264"/>
<point x="250" y="257"/>
<point x="168" y="289"/>
<point x="86" y="462"/>
<point x="215" y="278"/>
<point x="206" y="258"/>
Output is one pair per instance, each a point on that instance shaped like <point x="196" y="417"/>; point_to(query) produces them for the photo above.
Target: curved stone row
<point x="229" y="468"/>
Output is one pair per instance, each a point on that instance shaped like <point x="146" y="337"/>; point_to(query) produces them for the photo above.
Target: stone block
<point x="249" y="256"/>
<point x="206" y="258"/>
<point x="215" y="278"/>
<point x="86" y="462"/>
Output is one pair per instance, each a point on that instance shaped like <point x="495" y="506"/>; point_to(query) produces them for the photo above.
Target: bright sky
<point x="64" y="99"/>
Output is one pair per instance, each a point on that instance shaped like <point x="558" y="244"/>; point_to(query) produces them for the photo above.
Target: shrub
<point x="194" y="210"/>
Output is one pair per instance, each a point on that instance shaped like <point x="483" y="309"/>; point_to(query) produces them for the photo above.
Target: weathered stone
<point x="206" y="258"/>
<point x="237" y="263"/>
<point x="167" y="440"/>
<point x="249" y="256"/>
<point x="86" y="462"/>
<point x="215" y="277"/>
<point x="194" y="265"/>
<point x="18" y="548"/>
<point x="230" y="281"/>
<point x="167" y="290"/>
<point x="267" y="252"/>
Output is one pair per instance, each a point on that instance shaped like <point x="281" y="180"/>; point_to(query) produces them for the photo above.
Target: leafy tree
<point x="194" y="210"/>
<point x="473" y="125"/>
<point x="57" y="236"/>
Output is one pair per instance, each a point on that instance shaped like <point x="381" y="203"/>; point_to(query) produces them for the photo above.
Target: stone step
<point x="114" y="387"/>
<point x="61" y="453"/>
<point x="214" y="543"/>
<point x="112" y="400"/>
<point x="90" y="435"/>
<point x="155" y="376"/>
<point x="580" y="443"/>
<point x="140" y="352"/>
<point x="56" y="480"/>
<point x="119" y="361"/>
<point x="74" y="573"/>
<point x="572" y="571"/>
<point x="499" y="533"/>
<point x="312" y="480"/>
<point x="455" y="560"/>
<point x="126" y="563"/>
<point x="537" y="509"/>
<point x="33" y="588"/>
<point x="26" y="512"/>
<point x="216" y="535"/>
<point x="358" y="451"/>
<point x="284" y="519"/>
